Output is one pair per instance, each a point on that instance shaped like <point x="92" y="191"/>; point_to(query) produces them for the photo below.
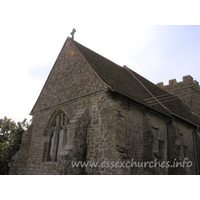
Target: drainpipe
<point x="168" y="146"/>
<point x="195" y="153"/>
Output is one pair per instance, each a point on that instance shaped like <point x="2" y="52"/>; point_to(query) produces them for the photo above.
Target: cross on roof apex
<point x="73" y="32"/>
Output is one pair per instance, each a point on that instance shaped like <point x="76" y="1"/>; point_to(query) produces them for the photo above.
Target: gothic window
<point x="158" y="145"/>
<point x="56" y="133"/>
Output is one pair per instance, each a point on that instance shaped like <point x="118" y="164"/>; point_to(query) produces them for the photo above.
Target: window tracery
<point x="57" y="135"/>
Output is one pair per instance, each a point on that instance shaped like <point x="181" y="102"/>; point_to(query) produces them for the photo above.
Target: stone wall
<point x="76" y="147"/>
<point x="106" y="127"/>
<point x="181" y="146"/>
<point x="71" y="77"/>
<point x="139" y="137"/>
<point x="140" y="130"/>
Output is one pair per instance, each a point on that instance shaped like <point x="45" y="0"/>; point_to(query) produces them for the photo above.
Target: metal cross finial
<point x="72" y="33"/>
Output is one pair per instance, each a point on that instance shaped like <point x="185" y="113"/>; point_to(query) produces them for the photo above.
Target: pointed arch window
<point x="56" y="133"/>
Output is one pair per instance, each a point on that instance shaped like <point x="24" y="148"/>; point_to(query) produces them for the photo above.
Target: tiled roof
<point x="169" y="101"/>
<point x="135" y="86"/>
<point x="115" y="76"/>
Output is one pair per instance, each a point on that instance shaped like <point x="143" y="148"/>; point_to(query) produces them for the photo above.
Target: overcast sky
<point x="33" y="33"/>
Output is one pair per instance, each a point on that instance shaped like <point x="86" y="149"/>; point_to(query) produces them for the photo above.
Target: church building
<point x="95" y="117"/>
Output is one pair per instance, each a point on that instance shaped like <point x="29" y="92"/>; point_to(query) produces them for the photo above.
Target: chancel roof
<point x="131" y="84"/>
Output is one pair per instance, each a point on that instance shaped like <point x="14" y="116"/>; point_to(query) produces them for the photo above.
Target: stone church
<point x="96" y="117"/>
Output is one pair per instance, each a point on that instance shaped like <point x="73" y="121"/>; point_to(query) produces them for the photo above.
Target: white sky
<point x="33" y="32"/>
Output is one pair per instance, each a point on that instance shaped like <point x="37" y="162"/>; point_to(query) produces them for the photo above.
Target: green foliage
<point x="10" y="141"/>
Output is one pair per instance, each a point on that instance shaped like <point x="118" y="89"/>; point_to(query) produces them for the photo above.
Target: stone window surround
<point x="55" y="131"/>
